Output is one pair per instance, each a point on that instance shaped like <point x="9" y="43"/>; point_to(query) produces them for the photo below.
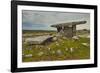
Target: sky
<point x="42" y="20"/>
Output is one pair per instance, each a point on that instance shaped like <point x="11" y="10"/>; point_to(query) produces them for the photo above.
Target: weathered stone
<point x="59" y="52"/>
<point x="75" y="37"/>
<point x="28" y="55"/>
<point x="53" y="52"/>
<point x="64" y="37"/>
<point x="49" y="48"/>
<point x="29" y="48"/>
<point x="40" y="53"/>
<point x="85" y="44"/>
<point x="71" y="50"/>
<point x="23" y="54"/>
<point x="88" y="36"/>
<point x="84" y="36"/>
<point x="54" y="39"/>
<point x="57" y="43"/>
<point x="39" y="40"/>
<point x="67" y="29"/>
<point x="66" y="49"/>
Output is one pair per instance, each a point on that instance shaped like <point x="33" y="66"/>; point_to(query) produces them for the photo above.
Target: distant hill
<point x="84" y="31"/>
<point x="30" y="31"/>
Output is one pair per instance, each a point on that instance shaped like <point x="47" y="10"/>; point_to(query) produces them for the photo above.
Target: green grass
<point x="79" y="51"/>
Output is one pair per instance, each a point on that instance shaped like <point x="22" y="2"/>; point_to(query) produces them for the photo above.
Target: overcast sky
<point x="42" y="20"/>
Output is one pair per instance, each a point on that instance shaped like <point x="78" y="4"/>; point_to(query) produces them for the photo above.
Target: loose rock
<point x="66" y="49"/>
<point x="85" y="44"/>
<point x="59" y="52"/>
<point x="40" y="53"/>
<point x="28" y="55"/>
<point x="75" y="38"/>
<point x="71" y="50"/>
<point x="53" y="52"/>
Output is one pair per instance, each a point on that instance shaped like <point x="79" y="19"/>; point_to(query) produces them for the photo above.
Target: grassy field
<point x="61" y="49"/>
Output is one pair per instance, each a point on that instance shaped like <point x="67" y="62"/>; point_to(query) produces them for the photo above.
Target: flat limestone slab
<point x="38" y="40"/>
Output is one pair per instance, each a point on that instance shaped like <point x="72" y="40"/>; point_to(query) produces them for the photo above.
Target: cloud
<point x="43" y="20"/>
